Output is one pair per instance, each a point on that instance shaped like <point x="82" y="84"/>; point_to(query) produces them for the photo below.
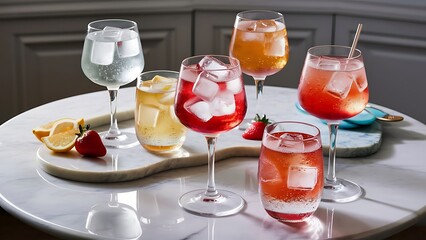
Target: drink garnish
<point x="256" y="128"/>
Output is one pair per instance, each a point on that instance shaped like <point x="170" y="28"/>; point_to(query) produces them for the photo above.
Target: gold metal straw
<point x="354" y="43"/>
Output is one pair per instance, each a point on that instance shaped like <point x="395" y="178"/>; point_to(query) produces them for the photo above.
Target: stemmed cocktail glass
<point x="112" y="56"/>
<point x="210" y="99"/>
<point x="333" y="86"/>
<point x="259" y="41"/>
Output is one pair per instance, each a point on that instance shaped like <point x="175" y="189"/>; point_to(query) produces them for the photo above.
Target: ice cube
<point x="292" y="142"/>
<point x="223" y="104"/>
<point x="252" y="36"/>
<point x="302" y="177"/>
<point x="148" y="115"/>
<point x="189" y="74"/>
<point x="359" y="74"/>
<point x="129" y="44"/>
<point x="247" y="33"/>
<point x="218" y="70"/>
<point x="234" y="86"/>
<point x="111" y="33"/>
<point x="275" y="47"/>
<point x="204" y="87"/>
<point x="265" y="26"/>
<point x="167" y="98"/>
<point x="361" y="82"/>
<point x="102" y="53"/>
<point x="328" y="64"/>
<point x="340" y="84"/>
<point x="199" y="108"/>
<point x="164" y="84"/>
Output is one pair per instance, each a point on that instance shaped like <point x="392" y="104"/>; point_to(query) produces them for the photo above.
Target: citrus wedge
<point x="44" y="130"/>
<point x="61" y="142"/>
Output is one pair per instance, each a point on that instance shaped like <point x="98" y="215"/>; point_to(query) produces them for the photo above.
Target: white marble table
<point x="393" y="179"/>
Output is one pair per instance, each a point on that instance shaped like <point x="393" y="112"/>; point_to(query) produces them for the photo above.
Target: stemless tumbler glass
<point x="112" y="56"/>
<point x="291" y="170"/>
<point x="156" y="125"/>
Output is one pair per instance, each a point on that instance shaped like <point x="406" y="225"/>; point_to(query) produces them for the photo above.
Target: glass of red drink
<point x="259" y="41"/>
<point x="210" y="99"/>
<point x="291" y="170"/>
<point x="333" y="86"/>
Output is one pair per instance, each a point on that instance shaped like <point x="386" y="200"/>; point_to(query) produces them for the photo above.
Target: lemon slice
<point x="45" y="129"/>
<point x="61" y="142"/>
<point x="64" y="125"/>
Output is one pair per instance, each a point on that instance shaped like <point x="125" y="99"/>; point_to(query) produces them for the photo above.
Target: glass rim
<point x="89" y="25"/>
<point x="160" y="70"/>
<point x="315" y="136"/>
<point x="157" y="72"/>
<point x="357" y="52"/>
<point x="279" y="15"/>
<point x="232" y="67"/>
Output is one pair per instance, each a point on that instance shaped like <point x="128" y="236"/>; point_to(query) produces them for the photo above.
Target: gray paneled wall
<point x="41" y="43"/>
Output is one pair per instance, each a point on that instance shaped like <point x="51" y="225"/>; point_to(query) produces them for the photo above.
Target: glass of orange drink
<point x="259" y="41"/>
<point x="156" y="125"/>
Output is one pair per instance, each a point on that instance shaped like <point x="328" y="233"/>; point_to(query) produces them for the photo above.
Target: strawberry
<point x="89" y="143"/>
<point x="255" y="130"/>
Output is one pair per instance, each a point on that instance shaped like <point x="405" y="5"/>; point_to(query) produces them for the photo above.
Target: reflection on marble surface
<point x="113" y="220"/>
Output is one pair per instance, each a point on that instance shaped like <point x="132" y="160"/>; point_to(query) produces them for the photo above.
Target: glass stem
<point x="211" y="191"/>
<point x="258" y="82"/>
<point x="331" y="180"/>
<point x="113" y="131"/>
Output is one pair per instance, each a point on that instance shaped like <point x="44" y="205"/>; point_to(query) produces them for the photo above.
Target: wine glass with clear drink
<point x="334" y="87"/>
<point x="259" y="41"/>
<point x="112" y="57"/>
<point x="210" y="99"/>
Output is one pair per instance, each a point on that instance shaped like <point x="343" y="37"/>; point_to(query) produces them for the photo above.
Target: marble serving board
<point x="133" y="163"/>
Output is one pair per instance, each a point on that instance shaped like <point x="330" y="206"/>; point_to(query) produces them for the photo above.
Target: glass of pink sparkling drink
<point x="291" y="170"/>
<point x="210" y="99"/>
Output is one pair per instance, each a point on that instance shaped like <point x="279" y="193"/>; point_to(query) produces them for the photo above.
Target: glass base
<point x="122" y="140"/>
<point x="225" y="204"/>
<point x="341" y="191"/>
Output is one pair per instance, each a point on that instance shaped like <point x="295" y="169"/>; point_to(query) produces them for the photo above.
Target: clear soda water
<point x="112" y="58"/>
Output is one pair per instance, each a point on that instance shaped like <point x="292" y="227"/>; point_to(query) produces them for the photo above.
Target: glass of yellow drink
<point x="156" y="125"/>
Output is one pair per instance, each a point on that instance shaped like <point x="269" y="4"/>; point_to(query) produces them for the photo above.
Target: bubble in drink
<point x="204" y="87"/>
<point x="128" y="46"/>
<point x="302" y="177"/>
<point x="291" y="142"/>
<point x="199" y="108"/>
<point x="223" y="104"/>
<point x="340" y="84"/>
